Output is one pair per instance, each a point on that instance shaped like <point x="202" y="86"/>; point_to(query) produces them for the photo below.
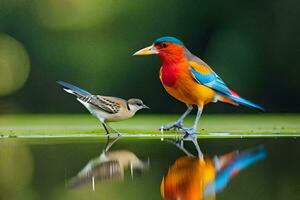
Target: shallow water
<point x="47" y="168"/>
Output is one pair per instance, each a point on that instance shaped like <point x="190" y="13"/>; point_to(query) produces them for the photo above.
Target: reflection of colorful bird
<point x="189" y="79"/>
<point x="105" y="108"/>
<point x="193" y="178"/>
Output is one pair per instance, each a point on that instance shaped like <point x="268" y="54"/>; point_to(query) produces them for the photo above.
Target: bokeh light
<point x="14" y="65"/>
<point x="16" y="171"/>
<point x="72" y="14"/>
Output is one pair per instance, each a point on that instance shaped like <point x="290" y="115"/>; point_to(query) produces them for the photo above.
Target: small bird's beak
<point x="144" y="106"/>
<point x="146" y="51"/>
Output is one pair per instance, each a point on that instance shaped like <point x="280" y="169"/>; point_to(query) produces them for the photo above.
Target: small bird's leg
<point x="178" y="123"/>
<point x="115" y="131"/>
<point x="110" y="144"/>
<point x="106" y="144"/>
<point x="107" y="132"/>
<point x="192" y="131"/>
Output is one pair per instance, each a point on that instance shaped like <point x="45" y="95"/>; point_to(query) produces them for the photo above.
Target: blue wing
<point x="211" y="80"/>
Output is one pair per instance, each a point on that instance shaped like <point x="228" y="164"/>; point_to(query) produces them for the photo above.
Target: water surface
<point x="47" y="168"/>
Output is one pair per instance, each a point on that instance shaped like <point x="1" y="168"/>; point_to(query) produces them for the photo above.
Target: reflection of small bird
<point x="105" y="108"/>
<point x="108" y="166"/>
<point x="190" y="80"/>
<point x="193" y="178"/>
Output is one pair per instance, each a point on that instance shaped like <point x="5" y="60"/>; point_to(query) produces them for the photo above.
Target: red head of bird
<point x="169" y="49"/>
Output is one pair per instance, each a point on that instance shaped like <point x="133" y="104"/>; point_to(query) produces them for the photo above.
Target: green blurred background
<point x="252" y="45"/>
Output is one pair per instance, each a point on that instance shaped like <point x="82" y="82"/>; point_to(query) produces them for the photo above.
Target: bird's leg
<point x="178" y="124"/>
<point x="180" y="145"/>
<point x="193" y="131"/>
<point x="110" y="144"/>
<point x="105" y="125"/>
<point x="107" y="132"/>
<point x="200" y="154"/>
<point x="115" y="131"/>
<point x="193" y="138"/>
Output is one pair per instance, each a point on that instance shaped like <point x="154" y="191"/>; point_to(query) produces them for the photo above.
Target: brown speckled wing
<point x="108" y="104"/>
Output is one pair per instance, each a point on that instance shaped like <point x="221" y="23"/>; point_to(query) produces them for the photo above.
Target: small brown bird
<point x="105" y="108"/>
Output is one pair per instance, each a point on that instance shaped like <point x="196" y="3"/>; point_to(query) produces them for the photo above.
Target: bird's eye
<point x="139" y="104"/>
<point x="164" y="45"/>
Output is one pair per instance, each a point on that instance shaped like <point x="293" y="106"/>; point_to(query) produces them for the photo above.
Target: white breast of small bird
<point x="123" y="113"/>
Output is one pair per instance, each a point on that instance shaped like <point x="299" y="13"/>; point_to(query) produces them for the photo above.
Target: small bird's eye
<point x="139" y="104"/>
<point x="164" y="45"/>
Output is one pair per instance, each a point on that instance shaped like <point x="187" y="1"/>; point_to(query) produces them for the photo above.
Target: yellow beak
<point x="146" y="51"/>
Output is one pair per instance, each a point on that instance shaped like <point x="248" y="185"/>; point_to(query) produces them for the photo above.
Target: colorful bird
<point x="105" y="108"/>
<point x="190" y="80"/>
<point x="194" y="178"/>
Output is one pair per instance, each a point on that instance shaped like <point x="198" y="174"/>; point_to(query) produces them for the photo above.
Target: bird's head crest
<point x="169" y="39"/>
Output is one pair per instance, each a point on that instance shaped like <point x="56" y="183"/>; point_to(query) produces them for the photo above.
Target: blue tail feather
<point x="245" y="102"/>
<point x="243" y="160"/>
<point x="74" y="88"/>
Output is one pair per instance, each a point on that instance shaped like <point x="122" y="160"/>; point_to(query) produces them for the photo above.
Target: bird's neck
<point x="170" y="59"/>
<point x="169" y="72"/>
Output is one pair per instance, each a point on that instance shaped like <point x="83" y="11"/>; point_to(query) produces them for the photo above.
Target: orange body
<point x="184" y="87"/>
<point x="187" y="178"/>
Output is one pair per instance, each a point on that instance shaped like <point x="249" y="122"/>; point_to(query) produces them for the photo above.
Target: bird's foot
<point x="175" y="126"/>
<point x="116" y="134"/>
<point x="189" y="133"/>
